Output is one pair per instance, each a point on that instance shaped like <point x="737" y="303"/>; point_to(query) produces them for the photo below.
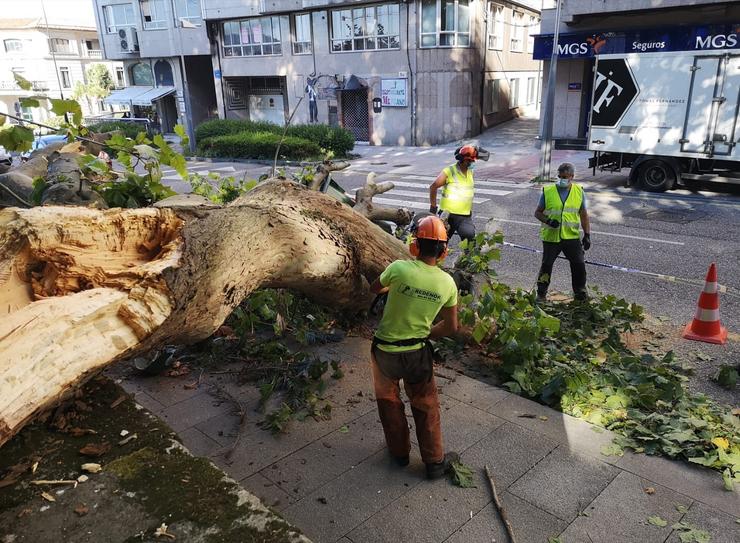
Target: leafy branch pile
<point x="296" y="376"/>
<point x="571" y="357"/>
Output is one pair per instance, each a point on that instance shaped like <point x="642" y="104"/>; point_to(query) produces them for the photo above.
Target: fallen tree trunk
<point x="80" y="288"/>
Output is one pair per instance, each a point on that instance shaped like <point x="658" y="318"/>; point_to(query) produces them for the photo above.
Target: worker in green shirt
<point x="418" y="290"/>
<point x="562" y="212"/>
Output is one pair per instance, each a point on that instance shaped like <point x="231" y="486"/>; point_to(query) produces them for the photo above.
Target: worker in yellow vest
<point x="562" y="210"/>
<point x="457" y="195"/>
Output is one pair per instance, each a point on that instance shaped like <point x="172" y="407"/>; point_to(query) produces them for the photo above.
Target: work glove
<point x="586" y="242"/>
<point x="432" y="209"/>
<point x="552" y="223"/>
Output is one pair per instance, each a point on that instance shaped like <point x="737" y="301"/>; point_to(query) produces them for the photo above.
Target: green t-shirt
<point x="417" y="292"/>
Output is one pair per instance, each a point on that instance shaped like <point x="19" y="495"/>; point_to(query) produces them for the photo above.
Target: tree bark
<point x="80" y="288"/>
<point x="375" y="212"/>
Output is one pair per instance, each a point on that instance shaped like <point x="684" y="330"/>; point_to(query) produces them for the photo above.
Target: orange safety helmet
<point x="469" y="152"/>
<point x="431" y="228"/>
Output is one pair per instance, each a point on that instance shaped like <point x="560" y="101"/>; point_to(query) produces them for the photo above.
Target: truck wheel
<point x="656" y="176"/>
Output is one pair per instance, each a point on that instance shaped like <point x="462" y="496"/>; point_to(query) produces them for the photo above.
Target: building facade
<point x="56" y="60"/>
<point x="394" y="73"/>
<point x="166" y="56"/>
<point x="636" y="27"/>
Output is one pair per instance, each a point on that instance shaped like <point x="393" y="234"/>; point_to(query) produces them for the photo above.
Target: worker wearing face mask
<point x="562" y="212"/>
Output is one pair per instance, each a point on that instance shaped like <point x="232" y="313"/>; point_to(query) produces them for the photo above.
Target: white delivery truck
<point x="669" y="117"/>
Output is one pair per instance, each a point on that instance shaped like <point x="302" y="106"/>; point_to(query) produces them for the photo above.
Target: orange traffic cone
<point x="706" y="326"/>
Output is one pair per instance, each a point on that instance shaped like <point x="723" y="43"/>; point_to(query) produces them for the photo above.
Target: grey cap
<point x="566" y="169"/>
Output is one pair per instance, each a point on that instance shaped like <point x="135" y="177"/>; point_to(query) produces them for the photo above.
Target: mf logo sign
<point x="615" y="89"/>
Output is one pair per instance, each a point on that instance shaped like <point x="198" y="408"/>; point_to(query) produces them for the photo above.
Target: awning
<point x="125" y="96"/>
<point x="152" y="95"/>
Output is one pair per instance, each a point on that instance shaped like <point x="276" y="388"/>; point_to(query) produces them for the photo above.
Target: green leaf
<point x="550" y="323"/>
<point x="22" y="82"/>
<point x="657" y="521"/>
<point x="481" y="331"/>
<point x="61" y="107"/>
<point x="29" y="102"/>
<point x="612" y="449"/>
<point x="39" y="186"/>
<point x="681" y="508"/>
<point x="728" y="480"/>
<point x="727" y="376"/>
<point x="3" y="118"/>
<point x="16" y="138"/>
<point x="462" y="475"/>
<point x="344" y="429"/>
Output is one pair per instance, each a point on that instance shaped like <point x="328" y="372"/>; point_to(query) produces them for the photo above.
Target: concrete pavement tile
<point x="576" y="434"/>
<point x="430" y="512"/>
<point x="474" y="392"/>
<point x="510" y="451"/>
<point x="463" y="425"/>
<point x="527" y="521"/>
<point x="564" y="483"/>
<point x="148" y="403"/>
<point x="324" y="459"/>
<point x="190" y="412"/>
<point x="258" y="448"/>
<point x="166" y="390"/>
<point x="267" y="491"/>
<point x="198" y="443"/>
<point x="722" y="527"/>
<point x="620" y="513"/>
<point x="701" y="484"/>
<point x="333" y="510"/>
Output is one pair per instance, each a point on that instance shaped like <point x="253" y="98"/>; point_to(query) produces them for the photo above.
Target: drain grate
<point x="678" y="217"/>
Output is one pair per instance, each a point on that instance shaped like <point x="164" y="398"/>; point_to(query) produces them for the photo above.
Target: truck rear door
<point x="725" y="133"/>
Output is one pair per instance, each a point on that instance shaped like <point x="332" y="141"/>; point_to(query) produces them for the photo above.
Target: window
<point x="119" y="77"/>
<point x="118" y="16"/>
<point x="532" y="29"/>
<point x="495" y="26"/>
<point x="251" y="37"/>
<point x="92" y="45"/>
<point x="26" y="113"/>
<point x="517" y="31"/>
<point x="445" y="23"/>
<point x="301" y="34"/>
<point x="531" y="90"/>
<point x="64" y="76"/>
<point x="494" y="92"/>
<point x="154" y="14"/>
<point x="141" y="74"/>
<point x="59" y="45"/>
<point x="365" y="28"/>
<point x="13" y="46"/>
<point x="188" y="10"/>
<point x="513" y="93"/>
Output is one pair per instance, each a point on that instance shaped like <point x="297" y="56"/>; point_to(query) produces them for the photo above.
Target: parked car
<point x="39" y="142"/>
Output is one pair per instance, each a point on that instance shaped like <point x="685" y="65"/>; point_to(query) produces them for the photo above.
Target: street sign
<point x="615" y="89"/>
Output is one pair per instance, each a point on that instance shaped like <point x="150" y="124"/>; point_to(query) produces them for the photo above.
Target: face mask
<point x="471" y="166"/>
<point x="562" y="183"/>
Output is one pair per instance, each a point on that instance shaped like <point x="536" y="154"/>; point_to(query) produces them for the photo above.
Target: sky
<point x="69" y="12"/>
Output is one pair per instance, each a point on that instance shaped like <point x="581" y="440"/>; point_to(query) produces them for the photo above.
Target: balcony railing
<point x="35" y="86"/>
<point x="93" y="53"/>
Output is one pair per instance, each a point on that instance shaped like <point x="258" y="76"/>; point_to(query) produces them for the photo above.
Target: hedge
<point x="129" y="129"/>
<point x="335" y="139"/>
<point x="260" y="145"/>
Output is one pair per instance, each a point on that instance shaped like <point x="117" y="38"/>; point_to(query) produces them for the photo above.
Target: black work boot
<point x="401" y="461"/>
<point x="435" y="471"/>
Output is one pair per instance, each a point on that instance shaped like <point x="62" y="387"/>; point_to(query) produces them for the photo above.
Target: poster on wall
<point x="393" y="92"/>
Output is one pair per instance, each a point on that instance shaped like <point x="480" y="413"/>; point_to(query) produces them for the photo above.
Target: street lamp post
<point x="548" y="112"/>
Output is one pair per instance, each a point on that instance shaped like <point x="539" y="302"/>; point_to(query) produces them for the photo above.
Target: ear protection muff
<point x="441" y="252"/>
<point x="414" y="248"/>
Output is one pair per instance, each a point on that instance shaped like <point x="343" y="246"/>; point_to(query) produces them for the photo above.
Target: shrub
<point x="129" y="129"/>
<point x="259" y="145"/>
<point x="226" y="127"/>
<point x="337" y="140"/>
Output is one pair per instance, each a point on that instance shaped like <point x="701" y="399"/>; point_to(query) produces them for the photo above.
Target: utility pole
<point x="548" y="110"/>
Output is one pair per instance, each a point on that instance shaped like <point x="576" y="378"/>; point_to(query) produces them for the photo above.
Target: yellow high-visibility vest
<point x="567" y="213"/>
<point x="457" y="196"/>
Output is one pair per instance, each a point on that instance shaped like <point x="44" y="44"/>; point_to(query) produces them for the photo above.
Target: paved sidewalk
<point x="334" y="480"/>
<point x="513" y="147"/>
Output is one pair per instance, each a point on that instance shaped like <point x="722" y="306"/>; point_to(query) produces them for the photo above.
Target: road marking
<point x="401" y="203"/>
<point x="225" y="169"/>
<point x="423" y="195"/>
<point x="641" y="238"/>
<point x="492" y="192"/>
<point x="499" y="183"/>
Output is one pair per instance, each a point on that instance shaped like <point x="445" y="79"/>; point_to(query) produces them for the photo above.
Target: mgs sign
<point x="615" y="89"/>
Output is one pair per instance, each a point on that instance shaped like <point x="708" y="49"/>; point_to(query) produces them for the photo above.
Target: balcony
<point x="13" y="86"/>
<point x="93" y="53"/>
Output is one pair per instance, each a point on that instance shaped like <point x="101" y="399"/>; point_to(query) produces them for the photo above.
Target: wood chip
<point x="650" y="490"/>
<point x="82" y="478"/>
<point x="81" y="510"/>
<point x="79" y="432"/>
<point x="54" y="482"/>
<point x="48" y="497"/>
<point x="23" y="513"/>
<point x="91" y="468"/>
<point x="118" y="401"/>
<point x="95" y="449"/>
<point x="129" y="438"/>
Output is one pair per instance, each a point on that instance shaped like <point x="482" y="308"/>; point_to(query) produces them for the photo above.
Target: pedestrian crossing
<point x="412" y="191"/>
<point x="202" y="168"/>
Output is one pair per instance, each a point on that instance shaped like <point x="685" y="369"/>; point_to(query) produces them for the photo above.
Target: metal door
<point x="356" y="114"/>
<point x="725" y="132"/>
<point x="697" y="131"/>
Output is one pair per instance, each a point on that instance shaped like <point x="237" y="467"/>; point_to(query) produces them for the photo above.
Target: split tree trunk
<point x="80" y="288"/>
